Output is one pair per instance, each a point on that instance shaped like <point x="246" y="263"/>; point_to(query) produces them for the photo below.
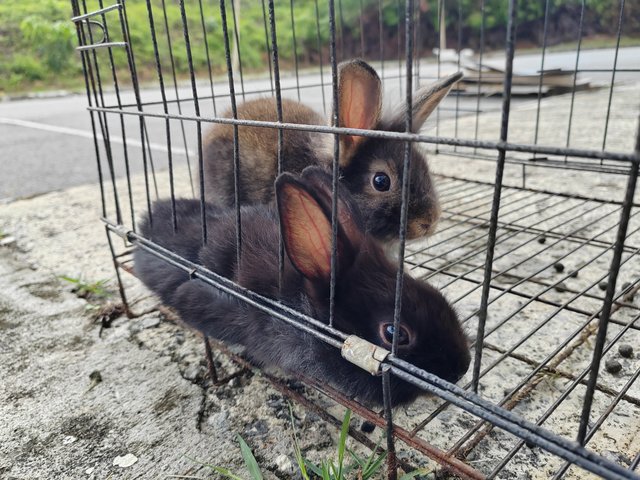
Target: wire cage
<point x="535" y="158"/>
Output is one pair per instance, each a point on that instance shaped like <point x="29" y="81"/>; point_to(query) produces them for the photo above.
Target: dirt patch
<point x="18" y="395"/>
<point x="6" y="324"/>
<point x="6" y="316"/>
<point x="50" y="290"/>
<point x="85" y="427"/>
<point x="168" y="402"/>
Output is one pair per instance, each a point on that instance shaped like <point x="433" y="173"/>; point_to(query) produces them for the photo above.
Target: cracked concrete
<point x="151" y="400"/>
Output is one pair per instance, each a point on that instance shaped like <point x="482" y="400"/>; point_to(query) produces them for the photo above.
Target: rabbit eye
<point x="387" y="330"/>
<point x="381" y="182"/>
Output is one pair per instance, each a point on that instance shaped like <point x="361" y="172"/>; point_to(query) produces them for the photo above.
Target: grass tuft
<point x="87" y="290"/>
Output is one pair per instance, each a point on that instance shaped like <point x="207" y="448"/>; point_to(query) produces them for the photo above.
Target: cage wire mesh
<point x="536" y="159"/>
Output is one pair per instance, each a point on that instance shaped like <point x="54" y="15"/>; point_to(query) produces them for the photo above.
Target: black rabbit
<point x="371" y="168"/>
<point x="430" y="336"/>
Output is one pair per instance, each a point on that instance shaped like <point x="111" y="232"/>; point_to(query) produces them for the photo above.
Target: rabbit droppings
<point x="371" y="168"/>
<point x="431" y="336"/>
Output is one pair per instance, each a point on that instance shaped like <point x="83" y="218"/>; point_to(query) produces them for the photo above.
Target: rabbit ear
<point x="359" y="103"/>
<point x="349" y="217"/>
<point x="306" y="230"/>
<point x="429" y="97"/>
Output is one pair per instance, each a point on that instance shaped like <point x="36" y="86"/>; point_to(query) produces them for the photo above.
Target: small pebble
<point x="574" y="274"/>
<point x="559" y="267"/>
<point x="284" y="464"/>
<point x="219" y="420"/>
<point x="561" y="287"/>
<point x="7" y="241"/>
<point x="125" y="460"/>
<point x="625" y="350"/>
<point x="150" y="322"/>
<point x="626" y="285"/>
<point x="542" y="240"/>
<point x="603" y="285"/>
<point x="276" y="402"/>
<point x="407" y="457"/>
<point x="613" y="366"/>
<point x="191" y="372"/>
<point x="258" y="428"/>
<point x="367" y="426"/>
<point x="311" y="417"/>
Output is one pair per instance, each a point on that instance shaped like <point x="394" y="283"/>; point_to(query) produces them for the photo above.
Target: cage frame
<point x="574" y="452"/>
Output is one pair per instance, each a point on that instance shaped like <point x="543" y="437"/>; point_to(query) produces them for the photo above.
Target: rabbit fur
<point x="371" y="168"/>
<point x="430" y="334"/>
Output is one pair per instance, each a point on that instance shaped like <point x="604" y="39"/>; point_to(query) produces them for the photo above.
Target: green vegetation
<point x="359" y="468"/>
<point x="37" y="39"/>
<point x="328" y="470"/>
<point x="36" y="43"/>
<point x="87" y="290"/>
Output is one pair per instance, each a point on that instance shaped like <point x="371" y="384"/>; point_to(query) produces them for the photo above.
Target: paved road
<point x="46" y="144"/>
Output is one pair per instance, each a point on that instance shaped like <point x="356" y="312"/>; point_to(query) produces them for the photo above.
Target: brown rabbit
<point x="370" y="168"/>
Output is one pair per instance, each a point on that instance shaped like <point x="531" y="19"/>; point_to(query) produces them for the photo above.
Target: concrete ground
<point x="133" y="400"/>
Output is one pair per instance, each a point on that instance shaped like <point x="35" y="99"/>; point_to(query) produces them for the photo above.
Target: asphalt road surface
<point x="47" y="144"/>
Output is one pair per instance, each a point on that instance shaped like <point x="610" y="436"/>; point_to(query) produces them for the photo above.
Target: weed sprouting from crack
<point x="88" y="290"/>
<point x="96" y="294"/>
<point x="360" y="468"/>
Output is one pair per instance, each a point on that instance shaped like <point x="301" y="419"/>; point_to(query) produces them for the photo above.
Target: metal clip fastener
<point x="119" y="229"/>
<point x="366" y="355"/>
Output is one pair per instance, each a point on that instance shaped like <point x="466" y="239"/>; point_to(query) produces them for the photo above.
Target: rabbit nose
<point x="418" y="229"/>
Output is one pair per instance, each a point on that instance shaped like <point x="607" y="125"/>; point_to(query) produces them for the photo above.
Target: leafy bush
<point x="27" y="68"/>
<point x="37" y="39"/>
<point x="53" y="42"/>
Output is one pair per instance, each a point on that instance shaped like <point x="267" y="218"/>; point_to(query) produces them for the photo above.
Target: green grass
<point x="88" y="290"/>
<point x="336" y="468"/>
